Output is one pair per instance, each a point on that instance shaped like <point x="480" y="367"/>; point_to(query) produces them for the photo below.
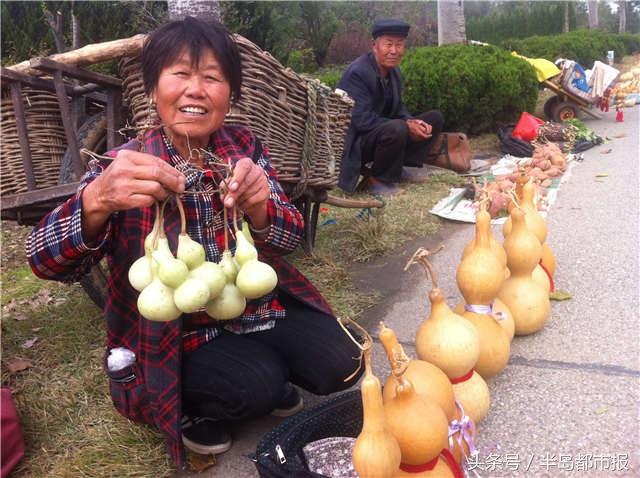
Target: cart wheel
<point x="549" y="106"/>
<point x="564" y="111"/>
<point x="91" y="135"/>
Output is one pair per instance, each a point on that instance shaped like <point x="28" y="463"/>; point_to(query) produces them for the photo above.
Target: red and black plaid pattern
<point x="57" y="251"/>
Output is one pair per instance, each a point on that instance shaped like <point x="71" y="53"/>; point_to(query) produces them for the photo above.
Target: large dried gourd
<point x="483" y="223"/>
<point x="419" y="425"/>
<point x="427" y="379"/>
<point x="376" y="453"/>
<point x="473" y="394"/>
<point x="500" y="311"/>
<point x="534" y="221"/>
<point x="527" y="300"/>
<point x="479" y="276"/>
<point x="445" y="339"/>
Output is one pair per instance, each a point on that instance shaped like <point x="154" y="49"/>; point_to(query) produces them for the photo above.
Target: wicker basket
<point x="302" y="122"/>
<point x="46" y="139"/>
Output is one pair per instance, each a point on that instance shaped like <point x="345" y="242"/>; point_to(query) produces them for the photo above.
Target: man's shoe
<point x="411" y="175"/>
<point x="291" y="403"/>
<point x="205" y="436"/>
<point x="379" y="188"/>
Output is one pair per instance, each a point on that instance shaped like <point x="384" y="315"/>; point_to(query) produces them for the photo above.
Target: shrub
<point x="583" y="46"/>
<point x="330" y="76"/>
<point x="473" y="86"/>
<point x="302" y="61"/>
<point x="631" y="42"/>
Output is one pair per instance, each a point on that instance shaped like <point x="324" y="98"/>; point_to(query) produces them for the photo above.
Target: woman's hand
<point x="132" y="180"/>
<point x="248" y="188"/>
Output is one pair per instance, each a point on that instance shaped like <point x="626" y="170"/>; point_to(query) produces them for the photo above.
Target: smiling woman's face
<point x="192" y="100"/>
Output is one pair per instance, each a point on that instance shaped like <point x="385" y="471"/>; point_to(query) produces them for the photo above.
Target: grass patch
<point x="348" y="236"/>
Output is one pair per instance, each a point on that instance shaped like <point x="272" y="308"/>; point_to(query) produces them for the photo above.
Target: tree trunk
<point x="593" y="14"/>
<point x="566" y="17"/>
<point x="451" y="27"/>
<point x="75" y="31"/>
<point x="55" y="23"/>
<point x="622" y="15"/>
<point x="203" y="9"/>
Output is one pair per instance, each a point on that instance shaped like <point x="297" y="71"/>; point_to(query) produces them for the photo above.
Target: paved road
<point x="568" y="402"/>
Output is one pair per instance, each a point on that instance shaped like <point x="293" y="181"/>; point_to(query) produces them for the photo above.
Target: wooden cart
<point x="568" y="99"/>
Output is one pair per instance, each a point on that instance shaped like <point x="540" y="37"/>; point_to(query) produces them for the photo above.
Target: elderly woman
<point x="194" y="375"/>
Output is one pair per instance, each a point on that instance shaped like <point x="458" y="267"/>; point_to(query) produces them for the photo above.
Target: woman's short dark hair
<point x="164" y="46"/>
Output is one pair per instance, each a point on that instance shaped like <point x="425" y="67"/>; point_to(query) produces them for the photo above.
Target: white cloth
<point x="601" y="78"/>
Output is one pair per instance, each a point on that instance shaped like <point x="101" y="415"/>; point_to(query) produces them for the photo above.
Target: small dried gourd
<point x="376" y="453"/>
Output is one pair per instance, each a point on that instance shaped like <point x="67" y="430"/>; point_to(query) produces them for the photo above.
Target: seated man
<point x="383" y="136"/>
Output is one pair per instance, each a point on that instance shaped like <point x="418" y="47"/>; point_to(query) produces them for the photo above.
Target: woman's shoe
<point x="291" y="403"/>
<point x="205" y="436"/>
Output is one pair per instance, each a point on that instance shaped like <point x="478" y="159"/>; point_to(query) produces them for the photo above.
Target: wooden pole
<point x="94" y="53"/>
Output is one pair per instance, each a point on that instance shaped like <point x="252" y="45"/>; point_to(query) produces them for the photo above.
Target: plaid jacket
<point x="149" y="390"/>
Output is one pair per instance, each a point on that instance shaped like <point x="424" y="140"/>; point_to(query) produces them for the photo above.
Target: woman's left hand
<point x="248" y="189"/>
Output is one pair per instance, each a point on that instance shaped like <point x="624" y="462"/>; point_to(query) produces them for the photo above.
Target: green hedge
<point x="331" y="75"/>
<point x="583" y="46"/>
<point x="473" y="86"/>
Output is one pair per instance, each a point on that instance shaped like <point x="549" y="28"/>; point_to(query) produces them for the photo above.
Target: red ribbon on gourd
<point x="448" y="457"/>
<point x="551" y="284"/>
<point x="464" y="378"/>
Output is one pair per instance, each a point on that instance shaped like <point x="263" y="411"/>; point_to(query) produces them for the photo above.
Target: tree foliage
<point x="583" y="46"/>
<point x="519" y="20"/>
<point x="25" y="32"/>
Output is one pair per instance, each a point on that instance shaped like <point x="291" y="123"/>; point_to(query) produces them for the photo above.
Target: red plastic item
<point x="10" y="433"/>
<point x="527" y="127"/>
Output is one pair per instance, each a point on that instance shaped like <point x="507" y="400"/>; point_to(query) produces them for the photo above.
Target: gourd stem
<point x="420" y="256"/>
<point x="514" y="198"/>
<point x="159" y="224"/>
<point x="224" y="226"/>
<point x="154" y="229"/>
<point x="235" y="218"/>
<point x="364" y="348"/>
<point x="395" y="353"/>
<point x="183" y="217"/>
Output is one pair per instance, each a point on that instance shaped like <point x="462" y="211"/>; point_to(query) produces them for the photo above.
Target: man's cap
<point x="390" y="27"/>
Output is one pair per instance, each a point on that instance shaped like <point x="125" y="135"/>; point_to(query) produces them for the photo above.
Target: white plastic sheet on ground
<point x="455" y="208"/>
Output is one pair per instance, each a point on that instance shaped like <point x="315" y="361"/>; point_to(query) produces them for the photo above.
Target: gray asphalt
<point x="567" y="404"/>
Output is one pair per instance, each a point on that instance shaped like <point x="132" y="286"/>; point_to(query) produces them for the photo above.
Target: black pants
<point x="235" y="377"/>
<point x="390" y="148"/>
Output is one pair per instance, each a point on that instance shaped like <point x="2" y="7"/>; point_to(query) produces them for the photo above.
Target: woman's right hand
<point x="132" y="180"/>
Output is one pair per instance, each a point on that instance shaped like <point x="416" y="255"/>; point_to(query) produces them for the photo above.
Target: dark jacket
<point x="363" y="83"/>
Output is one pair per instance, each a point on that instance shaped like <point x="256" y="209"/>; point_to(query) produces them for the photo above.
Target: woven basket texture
<point x="302" y="122"/>
<point x="46" y="139"/>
